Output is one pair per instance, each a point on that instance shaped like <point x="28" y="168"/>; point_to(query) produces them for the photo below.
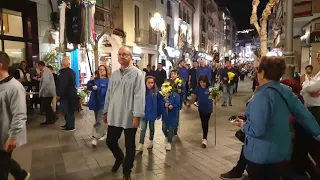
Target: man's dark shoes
<point x="233" y="174"/>
<point x="46" y="123"/>
<point x="127" y="177"/>
<point x="116" y="166"/>
<point x="224" y="104"/>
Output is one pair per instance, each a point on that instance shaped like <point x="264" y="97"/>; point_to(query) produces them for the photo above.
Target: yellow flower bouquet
<point x="166" y="91"/>
<point x="214" y="94"/>
<point x="178" y="82"/>
<point x="231" y="75"/>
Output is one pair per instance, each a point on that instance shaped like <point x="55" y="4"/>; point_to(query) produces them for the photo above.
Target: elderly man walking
<point x="13" y="119"/>
<point x="124" y="108"/>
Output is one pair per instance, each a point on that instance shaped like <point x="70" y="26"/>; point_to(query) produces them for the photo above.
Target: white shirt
<point x="311" y="85"/>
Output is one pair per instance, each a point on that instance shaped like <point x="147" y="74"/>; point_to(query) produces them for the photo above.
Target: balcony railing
<point x="143" y="36"/>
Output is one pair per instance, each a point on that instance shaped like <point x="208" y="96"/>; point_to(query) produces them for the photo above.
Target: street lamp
<point x="158" y="24"/>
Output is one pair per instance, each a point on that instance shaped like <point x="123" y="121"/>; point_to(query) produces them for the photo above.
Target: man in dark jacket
<point x="160" y="74"/>
<point x="228" y="83"/>
<point x="67" y="94"/>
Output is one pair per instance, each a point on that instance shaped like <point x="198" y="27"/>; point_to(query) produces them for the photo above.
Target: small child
<point x="169" y="112"/>
<point x="205" y="105"/>
<point x="98" y="87"/>
<point x="181" y="92"/>
<point x="152" y="112"/>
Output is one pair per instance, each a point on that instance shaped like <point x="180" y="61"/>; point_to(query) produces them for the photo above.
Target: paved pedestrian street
<point x="54" y="155"/>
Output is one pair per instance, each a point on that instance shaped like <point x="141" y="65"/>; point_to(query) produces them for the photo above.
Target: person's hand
<point x="166" y="105"/>
<point x="11" y="144"/>
<point x="224" y="78"/>
<point x="315" y="94"/>
<point x="136" y="122"/>
<point x="58" y="98"/>
<point x="239" y="122"/>
<point x="105" y="118"/>
<point x="179" y="90"/>
<point x="170" y="107"/>
<point x="94" y="87"/>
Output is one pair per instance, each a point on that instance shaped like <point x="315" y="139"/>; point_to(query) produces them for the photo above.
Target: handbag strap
<point x="282" y="97"/>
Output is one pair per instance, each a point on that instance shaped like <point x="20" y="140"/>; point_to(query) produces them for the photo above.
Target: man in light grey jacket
<point x="124" y="107"/>
<point x="13" y="119"/>
<point x="47" y="92"/>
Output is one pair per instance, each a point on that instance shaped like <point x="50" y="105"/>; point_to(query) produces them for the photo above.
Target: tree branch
<point x="254" y="18"/>
<point x="266" y="13"/>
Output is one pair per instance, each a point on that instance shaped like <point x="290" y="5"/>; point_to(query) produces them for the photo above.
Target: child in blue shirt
<point x="181" y="92"/>
<point x="152" y="112"/>
<point x="98" y="87"/>
<point x="205" y="105"/>
<point x="169" y="112"/>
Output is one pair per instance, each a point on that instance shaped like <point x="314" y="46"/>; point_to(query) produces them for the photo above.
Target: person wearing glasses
<point x="123" y="110"/>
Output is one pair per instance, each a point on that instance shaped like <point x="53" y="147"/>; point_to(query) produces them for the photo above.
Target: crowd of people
<point x="130" y="98"/>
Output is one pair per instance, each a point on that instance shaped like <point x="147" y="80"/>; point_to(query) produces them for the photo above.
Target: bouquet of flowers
<point x="214" y="94"/>
<point x="166" y="90"/>
<point x="178" y="82"/>
<point x="231" y="75"/>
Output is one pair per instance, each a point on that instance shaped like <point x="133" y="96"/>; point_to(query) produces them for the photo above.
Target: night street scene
<point x="159" y="89"/>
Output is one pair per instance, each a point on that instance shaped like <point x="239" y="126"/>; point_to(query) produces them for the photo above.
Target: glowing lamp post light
<point x="159" y="25"/>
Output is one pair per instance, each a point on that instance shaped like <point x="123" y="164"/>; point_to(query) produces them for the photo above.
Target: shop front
<point x="19" y="31"/>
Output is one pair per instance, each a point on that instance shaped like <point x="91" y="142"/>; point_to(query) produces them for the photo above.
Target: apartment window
<point x="169" y="9"/>
<point x="168" y="34"/>
<point x="203" y="24"/>
<point x="180" y="11"/>
<point x="184" y="15"/>
<point x="188" y="17"/>
<point x="136" y="17"/>
<point x="104" y="3"/>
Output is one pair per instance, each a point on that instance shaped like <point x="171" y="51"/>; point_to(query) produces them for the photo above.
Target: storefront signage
<point x="315" y="37"/>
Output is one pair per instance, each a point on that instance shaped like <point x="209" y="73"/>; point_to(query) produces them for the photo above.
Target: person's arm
<point x="302" y="79"/>
<point x="311" y="86"/>
<point x="257" y="124"/>
<point x="139" y="96"/>
<point x="90" y="85"/>
<point x="19" y="111"/>
<point x="62" y="85"/>
<point x="302" y="115"/>
<point x="107" y="101"/>
<point x="44" y="82"/>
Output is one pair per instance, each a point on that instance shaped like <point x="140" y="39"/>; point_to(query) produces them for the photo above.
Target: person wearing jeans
<point x="67" y="94"/>
<point x="13" y="119"/>
<point x="228" y="83"/>
<point x="123" y="109"/>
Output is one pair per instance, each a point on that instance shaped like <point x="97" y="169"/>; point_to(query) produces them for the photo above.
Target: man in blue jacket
<point x="204" y="70"/>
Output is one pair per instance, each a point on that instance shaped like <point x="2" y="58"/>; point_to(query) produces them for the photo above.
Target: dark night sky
<point x="241" y="11"/>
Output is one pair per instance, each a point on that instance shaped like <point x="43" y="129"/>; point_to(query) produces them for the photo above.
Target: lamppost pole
<point x="289" y="56"/>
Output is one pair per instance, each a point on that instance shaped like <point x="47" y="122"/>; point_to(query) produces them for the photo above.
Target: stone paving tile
<point x="54" y="155"/>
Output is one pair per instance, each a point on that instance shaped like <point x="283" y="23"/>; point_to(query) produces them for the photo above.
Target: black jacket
<point x="160" y="77"/>
<point x="66" y="85"/>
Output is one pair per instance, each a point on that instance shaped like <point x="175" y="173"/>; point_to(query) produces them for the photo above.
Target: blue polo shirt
<point x="205" y="104"/>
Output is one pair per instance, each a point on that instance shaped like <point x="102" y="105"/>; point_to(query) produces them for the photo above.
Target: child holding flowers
<point x="205" y="105"/>
<point x="181" y="90"/>
<point x="152" y="112"/>
<point x="170" y="106"/>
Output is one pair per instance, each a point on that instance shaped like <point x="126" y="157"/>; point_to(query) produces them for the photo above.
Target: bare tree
<point x="261" y="25"/>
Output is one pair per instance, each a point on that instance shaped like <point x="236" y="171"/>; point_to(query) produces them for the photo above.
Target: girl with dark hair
<point x="23" y="74"/>
<point x="151" y="112"/>
<point x="98" y="87"/>
<point x="205" y="105"/>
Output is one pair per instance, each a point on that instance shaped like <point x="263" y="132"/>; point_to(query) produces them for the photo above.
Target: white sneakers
<point x="204" y="143"/>
<point x="168" y="146"/>
<point x="140" y="146"/>
<point x="150" y="146"/>
<point x="94" y="142"/>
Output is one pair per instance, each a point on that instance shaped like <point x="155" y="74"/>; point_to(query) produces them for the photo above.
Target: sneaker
<point x="204" y="143"/>
<point x="65" y="129"/>
<point x="224" y="105"/>
<point x="127" y="177"/>
<point x="150" y="146"/>
<point x="168" y="147"/>
<point x="116" y="166"/>
<point x="140" y="148"/>
<point x="62" y="127"/>
<point x="230" y="104"/>
<point x="28" y="176"/>
<point x="233" y="174"/>
<point x="94" y="142"/>
<point x="103" y="138"/>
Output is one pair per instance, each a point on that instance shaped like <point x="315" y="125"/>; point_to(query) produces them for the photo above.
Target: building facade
<point x="25" y="29"/>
